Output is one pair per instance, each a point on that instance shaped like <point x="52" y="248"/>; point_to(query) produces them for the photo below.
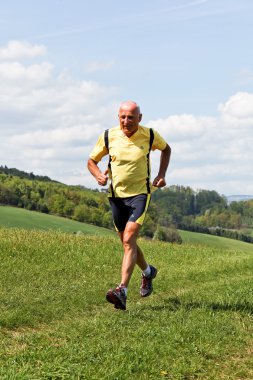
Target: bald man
<point x="128" y="146"/>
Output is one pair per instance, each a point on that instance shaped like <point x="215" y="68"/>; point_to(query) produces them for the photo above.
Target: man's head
<point x="129" y="117"/>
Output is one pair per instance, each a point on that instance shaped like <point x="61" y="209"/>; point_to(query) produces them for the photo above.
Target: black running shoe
<point x="117" y="297"/>
<point x="146" y="282"/>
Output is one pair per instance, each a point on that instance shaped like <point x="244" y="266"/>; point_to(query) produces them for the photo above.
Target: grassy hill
<point x="56" y="324"/>
<point x="215" y="241"/>
<point x="21" y="218"/>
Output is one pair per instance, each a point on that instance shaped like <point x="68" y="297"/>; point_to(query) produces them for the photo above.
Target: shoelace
<point x="120" y="290"/>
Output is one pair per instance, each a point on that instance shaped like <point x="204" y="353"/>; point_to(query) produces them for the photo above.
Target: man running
<point x="128" y="146"/>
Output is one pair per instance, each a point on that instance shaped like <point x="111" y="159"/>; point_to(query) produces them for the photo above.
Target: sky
<point x="66" y="65"/>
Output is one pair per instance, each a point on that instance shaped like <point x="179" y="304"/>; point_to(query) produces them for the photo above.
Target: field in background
<point x="56" y="324"/>
<point x="215" y="241"/>
<point x="21" y="218"/>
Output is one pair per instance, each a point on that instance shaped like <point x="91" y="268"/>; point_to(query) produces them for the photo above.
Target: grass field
<point x="215" y="241"/>
<point x="19" y="217"/>
<point x="56" y="324"/>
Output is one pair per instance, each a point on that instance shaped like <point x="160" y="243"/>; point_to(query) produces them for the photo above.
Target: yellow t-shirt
<point x="129" y="165"/>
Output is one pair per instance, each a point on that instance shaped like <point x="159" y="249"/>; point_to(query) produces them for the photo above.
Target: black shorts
<point x="130" y="209"/>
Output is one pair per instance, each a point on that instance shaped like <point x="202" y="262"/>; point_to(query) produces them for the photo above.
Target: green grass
<point x="18" y="217"/>
<point x="215" y="241"/>
<point x="56" y="324"/>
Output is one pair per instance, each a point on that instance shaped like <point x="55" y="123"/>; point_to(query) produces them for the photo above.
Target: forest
<point x="172" y="208"/>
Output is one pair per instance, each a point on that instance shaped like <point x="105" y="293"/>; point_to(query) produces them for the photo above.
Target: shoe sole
<point x="112" y="298"/>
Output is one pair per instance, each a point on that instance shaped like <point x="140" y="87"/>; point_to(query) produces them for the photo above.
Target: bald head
<point x="130" y="105"/>
<point x="129" y="117"/>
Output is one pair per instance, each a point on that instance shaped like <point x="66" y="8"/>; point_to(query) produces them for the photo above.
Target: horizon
<point x="66" y="67"/>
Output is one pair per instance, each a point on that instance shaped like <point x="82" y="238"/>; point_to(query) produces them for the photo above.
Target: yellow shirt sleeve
<point x="159" y="142"/>
<point x="99" y="150"/>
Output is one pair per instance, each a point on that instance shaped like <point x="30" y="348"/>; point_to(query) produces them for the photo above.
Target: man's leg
<point x="141" y="262"/>
<point x="123" y="211"/>
<point x="130" y="258"/>
<point x="134" y="255"/>
<point x="128" y="237"/>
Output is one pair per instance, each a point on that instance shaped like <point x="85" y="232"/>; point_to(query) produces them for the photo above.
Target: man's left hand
<point x="159" y="182"/>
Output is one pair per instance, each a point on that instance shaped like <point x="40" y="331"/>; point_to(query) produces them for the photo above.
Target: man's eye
<point x="128" y="117"/>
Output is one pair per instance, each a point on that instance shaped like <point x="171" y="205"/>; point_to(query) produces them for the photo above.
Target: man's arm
<point x="159" y="181"/>
<point x="101" y="178"/>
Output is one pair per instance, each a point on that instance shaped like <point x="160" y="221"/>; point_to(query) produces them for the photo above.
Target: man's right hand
<point x="102" y="178"/>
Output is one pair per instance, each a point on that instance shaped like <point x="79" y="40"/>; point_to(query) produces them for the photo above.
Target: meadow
<point x="21" y="218"/>
<point x="56" y="324"/>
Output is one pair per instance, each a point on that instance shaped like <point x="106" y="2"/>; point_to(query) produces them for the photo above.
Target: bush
<point x="170" y="235"/>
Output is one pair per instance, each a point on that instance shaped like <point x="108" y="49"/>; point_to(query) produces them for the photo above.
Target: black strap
<point x="151" y="139"/>
<point x="106" y="140"/>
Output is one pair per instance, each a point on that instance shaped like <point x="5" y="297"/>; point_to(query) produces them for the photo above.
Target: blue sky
<point x="65" y="66"/>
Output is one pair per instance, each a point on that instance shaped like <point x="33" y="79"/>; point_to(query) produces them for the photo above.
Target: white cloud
<point x="74" y="136"/>
<point x="182" y="127"/>
<point x="238" y="110"/>
<point x="16" y="50"/>
<point x="32" y="98"/>
<point x="16" y="72"/>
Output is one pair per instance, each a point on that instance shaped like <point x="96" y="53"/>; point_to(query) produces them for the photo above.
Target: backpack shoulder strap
<point x="151" y="139"/>
<point x="106" y="139"/>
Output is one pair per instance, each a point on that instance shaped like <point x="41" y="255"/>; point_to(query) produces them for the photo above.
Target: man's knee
<point x="128" y="239"/>
<point x="130" y="234"/>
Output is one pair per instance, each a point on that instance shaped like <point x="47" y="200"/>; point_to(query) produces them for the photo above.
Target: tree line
<point x="205" y="211"/>
<point x="172" y="208"/>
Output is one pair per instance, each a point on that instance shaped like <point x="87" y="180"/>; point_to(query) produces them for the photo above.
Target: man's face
<point x="129" y="118"/>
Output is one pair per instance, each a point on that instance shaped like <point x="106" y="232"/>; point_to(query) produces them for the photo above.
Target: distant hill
<point x="21" y="174"/>
<point x="238" y="198"/>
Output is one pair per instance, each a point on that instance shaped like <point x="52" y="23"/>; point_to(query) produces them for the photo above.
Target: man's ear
<point x="140" y="117"/>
